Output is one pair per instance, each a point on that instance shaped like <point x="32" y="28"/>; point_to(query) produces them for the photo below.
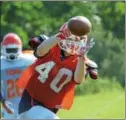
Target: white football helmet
<point x="73" y="44"/>
<point x="11" y="47"/>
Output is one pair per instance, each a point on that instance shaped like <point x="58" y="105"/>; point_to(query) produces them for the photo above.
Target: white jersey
<point x="10" y="71"/>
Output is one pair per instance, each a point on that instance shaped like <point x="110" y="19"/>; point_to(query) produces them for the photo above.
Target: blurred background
<point x="103" y="98"/>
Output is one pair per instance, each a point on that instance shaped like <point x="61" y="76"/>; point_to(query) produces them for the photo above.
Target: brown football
<point x="79" y="25"/>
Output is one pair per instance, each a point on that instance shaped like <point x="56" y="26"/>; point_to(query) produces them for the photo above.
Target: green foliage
<point x="29" y="19"/>
<point x="95" y="86"/>
<point x="113" y="14"/>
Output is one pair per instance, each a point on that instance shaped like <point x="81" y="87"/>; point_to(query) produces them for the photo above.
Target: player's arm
<point x="34" y="42"/>
<point x="41" y="44"/>
<point x="80" y="70"/>
<point x="45" y="46"/>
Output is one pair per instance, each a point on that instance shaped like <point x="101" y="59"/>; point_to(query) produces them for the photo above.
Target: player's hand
<point x="92" y="69"/>
<point x="64" y="32"/>
<point x="85" y="49"/>
<point x="8" y="107"/>
<point x="34" y="42"/>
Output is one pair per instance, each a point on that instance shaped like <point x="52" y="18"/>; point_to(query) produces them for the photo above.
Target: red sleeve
<point x="54" y="49"/>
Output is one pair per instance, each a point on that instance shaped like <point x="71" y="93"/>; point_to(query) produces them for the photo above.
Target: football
<point x="79" y="25"/>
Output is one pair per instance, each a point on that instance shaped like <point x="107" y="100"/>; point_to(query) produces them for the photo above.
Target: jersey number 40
<point x="44" y="70"/>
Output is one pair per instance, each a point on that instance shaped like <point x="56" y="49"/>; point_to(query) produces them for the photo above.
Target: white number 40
<point x="44" y="70"/>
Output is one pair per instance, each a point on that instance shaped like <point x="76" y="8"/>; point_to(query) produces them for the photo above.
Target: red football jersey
<point x="50" y="80"/>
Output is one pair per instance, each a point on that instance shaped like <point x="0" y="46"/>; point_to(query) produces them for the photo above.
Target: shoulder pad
<point x="91" y="64"/>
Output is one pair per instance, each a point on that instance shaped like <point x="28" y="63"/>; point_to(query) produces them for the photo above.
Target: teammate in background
<point x="50" y="82"/>
<point x="13" y="62"/>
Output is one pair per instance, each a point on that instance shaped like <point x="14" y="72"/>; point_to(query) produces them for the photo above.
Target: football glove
<point x="92" y="69"/>
<point x="85" y="49"/>
<point x="36" y="41"/>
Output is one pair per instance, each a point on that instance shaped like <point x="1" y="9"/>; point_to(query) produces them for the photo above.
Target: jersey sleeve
<point x="55" y="49"/>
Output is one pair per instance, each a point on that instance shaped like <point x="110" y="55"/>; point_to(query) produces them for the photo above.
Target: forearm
<point x="79" y="75"/>
<point x="46" y="45"/>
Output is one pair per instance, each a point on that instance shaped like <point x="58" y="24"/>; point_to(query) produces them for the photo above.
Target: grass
<point x="104" y="105"/>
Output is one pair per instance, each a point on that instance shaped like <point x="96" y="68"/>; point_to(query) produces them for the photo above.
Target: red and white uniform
<point x="13" y="62"/>
<point x="50" y="80"/>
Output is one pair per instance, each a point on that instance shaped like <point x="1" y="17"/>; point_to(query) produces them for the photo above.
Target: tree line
<point x="32" y="18"/>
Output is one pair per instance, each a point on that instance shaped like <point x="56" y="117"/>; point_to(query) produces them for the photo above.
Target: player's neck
<point x="63" y="55"/>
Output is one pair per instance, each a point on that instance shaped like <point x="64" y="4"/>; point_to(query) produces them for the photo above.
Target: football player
<point x="13" y="62"/>
<point x="91" y="66"/>
<point x="50" y="82"/>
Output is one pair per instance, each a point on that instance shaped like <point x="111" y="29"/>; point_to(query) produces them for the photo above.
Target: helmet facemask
<point x="11" y="47"/>
<point x="12" y="52"/>
<point x="72" y="45"/>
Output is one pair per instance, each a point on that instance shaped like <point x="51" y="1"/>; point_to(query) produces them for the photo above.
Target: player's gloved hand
<point x="36" y="41"/>
<point x="64" y="32"/>
<point x="92" y="69"/>
<point x="8" y="107"/>
<point x="85" y="49"/>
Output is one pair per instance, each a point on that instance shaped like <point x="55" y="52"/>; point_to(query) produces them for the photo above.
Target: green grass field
<point x="104" y="105"/>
